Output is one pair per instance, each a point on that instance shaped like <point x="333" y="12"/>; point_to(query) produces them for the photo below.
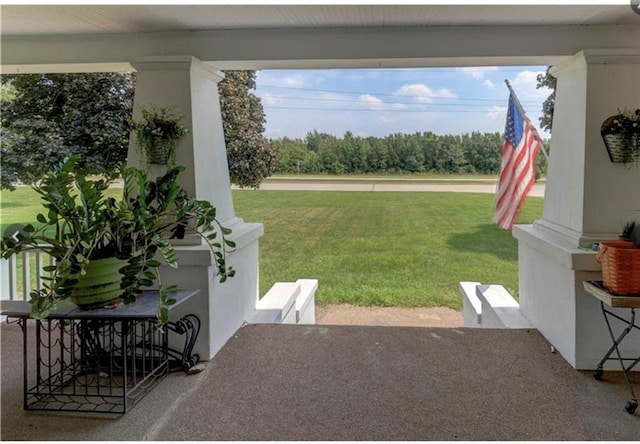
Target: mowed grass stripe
<point x="366" y="248"/>
<point x="383" y="248"/>
<point x="23" y="204"/>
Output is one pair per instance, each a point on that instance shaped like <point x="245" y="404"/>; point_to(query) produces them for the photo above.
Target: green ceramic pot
<point x="100" y="284"/>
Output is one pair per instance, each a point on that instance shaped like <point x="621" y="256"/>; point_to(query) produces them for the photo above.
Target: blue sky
<point x="378" y="102"/>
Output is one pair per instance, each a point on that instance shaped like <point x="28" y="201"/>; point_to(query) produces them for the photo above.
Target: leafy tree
<point x="46" y="117"/>
<point x="483" y="151"/>
<point x="354" y="152"/>
<point x="428" y="145"/>
<point x="295" y="158"/>
<point x="378" y="157"/>
<point x="541" y="161"/>
<point x="250" y="155"/>
<point x="328" y="149"/>
<point x="547" y="81"/>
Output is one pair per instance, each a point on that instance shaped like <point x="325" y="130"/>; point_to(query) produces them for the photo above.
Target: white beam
<point x="318" y="48"/>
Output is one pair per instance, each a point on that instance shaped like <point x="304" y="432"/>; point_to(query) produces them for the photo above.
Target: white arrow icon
<point x="15" y="236"/>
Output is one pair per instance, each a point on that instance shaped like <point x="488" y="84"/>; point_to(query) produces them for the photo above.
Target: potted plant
<point x="621" y="135"/>
<point x="83" y="229"/>
<point x="157" y="135"/>
<point x="628" y="230"/>
<point x="620" y="262"/>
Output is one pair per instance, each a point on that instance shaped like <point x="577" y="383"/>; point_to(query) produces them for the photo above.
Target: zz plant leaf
<point x="82" y="224"/>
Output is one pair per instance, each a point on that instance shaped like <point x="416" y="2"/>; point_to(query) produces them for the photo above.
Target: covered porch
<point x="306" y="382"/>
<point x="347" y="383"/>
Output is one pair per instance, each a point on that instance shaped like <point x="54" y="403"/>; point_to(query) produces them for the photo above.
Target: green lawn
<point x="23" y="204"/>
<point x="384" y="249"/>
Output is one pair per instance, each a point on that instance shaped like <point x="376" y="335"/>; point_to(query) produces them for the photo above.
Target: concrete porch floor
<point x="298" y="382"/>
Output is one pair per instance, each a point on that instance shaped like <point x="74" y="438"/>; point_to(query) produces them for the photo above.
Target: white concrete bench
<point x="287" y="303"/>
<point x="491" y="306"/>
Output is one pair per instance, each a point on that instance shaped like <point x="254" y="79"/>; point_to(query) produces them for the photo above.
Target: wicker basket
<point x="157" y="153"/>
<point x="620" y="149"/>
<point x="615" y="144"/>
<point x="620" y="267"/>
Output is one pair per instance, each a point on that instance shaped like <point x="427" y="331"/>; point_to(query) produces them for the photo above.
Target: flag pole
<point x="521" y="109"/>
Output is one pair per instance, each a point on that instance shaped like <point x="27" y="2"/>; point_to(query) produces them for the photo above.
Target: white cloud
<point x="422" y="93"/>
<point x="488" y="84"/>
<point x="497" y="112"/>
<point x="371" y="102"/>
<point x="269" y="99"/>
<point x="524" y="84"/>
<point x="294" y="80"/>
<point x="477" y="72"/>
<point x="375" y="103"/>
<point x="275" y="78"/>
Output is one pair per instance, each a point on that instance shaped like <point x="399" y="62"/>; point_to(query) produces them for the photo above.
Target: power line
<point x="324" y="99"/>
<point x="378" y="110"/>
<point x="380" y="94"/>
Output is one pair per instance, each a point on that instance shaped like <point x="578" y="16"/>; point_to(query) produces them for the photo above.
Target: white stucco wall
<point x="587" y="199"/>
<point x="221" y="307"/>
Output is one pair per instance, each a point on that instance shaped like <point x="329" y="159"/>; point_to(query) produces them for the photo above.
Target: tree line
<point x="321" y="153"/>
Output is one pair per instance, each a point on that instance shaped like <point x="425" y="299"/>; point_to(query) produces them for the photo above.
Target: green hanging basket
<point x="100" y="285"/>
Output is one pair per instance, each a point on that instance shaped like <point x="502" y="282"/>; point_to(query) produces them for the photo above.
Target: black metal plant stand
<point x="189" y="326"/>
<point x="630" y="302"/>
<point x="102" y="360"/>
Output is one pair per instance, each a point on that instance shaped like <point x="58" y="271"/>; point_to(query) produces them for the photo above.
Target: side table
<point x="607" y="299"/>
<point x="102" y="360"/>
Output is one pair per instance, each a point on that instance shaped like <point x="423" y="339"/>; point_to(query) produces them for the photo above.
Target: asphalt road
<point x="538" y="189"/>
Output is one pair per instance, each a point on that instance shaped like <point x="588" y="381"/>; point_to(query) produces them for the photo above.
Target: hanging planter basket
<point x="621" y="135"/>
<point x="157" y="134"/>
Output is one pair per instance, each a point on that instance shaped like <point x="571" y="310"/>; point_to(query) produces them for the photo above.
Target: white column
<point x="190" y="88"/>
<point x="587" y="199"/>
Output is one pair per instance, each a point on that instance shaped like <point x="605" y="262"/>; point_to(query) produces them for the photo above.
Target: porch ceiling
<point x="68" y="38"/>
<point x="100" y="19"/>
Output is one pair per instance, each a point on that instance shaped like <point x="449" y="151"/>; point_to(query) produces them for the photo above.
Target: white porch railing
<point x="22" y="273"/>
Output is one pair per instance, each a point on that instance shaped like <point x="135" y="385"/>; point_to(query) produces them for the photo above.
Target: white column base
<point x="552" y="297"/>
<point x="221" y="307"/>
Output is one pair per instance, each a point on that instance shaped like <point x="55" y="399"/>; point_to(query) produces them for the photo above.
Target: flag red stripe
<point x="517" y="189"/>
<point x="517" y="176"/>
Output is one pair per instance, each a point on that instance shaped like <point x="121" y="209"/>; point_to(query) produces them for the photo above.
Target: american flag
<point x="518" y="172"/>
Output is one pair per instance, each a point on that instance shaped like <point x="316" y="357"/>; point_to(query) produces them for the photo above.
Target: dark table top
<point x="145" y="307"/>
